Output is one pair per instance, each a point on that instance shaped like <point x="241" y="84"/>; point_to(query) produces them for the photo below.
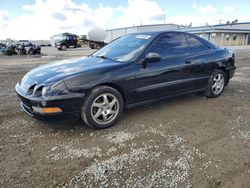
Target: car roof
<point x="157" y="33"/>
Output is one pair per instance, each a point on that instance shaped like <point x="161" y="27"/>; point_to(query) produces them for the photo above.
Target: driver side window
<point x="171" y="44"/>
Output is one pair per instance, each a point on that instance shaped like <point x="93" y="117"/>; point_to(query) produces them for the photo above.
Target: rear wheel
<point x="216" y="84"/>
<point x="102" y="107"/>
<point x="97" y="46"/>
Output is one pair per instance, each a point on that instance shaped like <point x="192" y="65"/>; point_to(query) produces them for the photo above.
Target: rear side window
<point x="195" y="45"/>
<point x="172" y="44"/>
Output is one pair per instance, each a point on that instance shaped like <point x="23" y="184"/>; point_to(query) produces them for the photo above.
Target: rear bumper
<point x="70" y="105"/>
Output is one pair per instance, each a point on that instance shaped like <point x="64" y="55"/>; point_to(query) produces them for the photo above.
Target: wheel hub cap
<point x="218" y="84"/>
<point x="105" y="108"/>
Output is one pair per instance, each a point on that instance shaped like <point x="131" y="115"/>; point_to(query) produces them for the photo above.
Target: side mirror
<point x="153" y="57"/>
<point x="150" y="58"/>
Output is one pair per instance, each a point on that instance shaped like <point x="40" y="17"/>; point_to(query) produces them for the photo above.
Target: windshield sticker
<point x="143" y="36"/>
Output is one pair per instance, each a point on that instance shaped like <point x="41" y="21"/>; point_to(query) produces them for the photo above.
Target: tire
<point x="216" y="84"/>
<point x="38" y="52"/>
<point x="64" y="48"/>
<point x="31" y="52"/>
<point x="96" y="46"/>
<point x="102" y="107"/>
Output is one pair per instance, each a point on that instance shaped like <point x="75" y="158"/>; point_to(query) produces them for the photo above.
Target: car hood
<point x="59" y="70"/>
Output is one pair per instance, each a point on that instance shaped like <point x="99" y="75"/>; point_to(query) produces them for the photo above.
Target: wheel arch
<point x="116" y="87"/>
<point x="64" y="44"/>
<point x="222" y="68"/>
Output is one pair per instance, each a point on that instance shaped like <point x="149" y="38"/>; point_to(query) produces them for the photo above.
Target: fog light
<point x="47" y="110"/>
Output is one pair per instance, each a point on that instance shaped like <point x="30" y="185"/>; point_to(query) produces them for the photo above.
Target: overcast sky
<point x="40" y="19"/>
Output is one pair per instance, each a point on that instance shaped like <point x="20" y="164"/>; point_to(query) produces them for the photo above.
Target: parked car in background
<point x="133" y="70"/>
<point x="8" y="49"/>
<point x="24" y="43"/>
<point x="2" y="45"/>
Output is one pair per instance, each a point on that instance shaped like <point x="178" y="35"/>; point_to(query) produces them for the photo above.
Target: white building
<point x="115" y="33"/>
<point x="222" y="34"/>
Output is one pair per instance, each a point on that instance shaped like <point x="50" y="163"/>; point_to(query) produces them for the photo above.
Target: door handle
<point x="188" y="62"/>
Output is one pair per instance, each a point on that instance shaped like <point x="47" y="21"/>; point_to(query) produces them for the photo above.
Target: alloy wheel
<point x="218" y="83"/>
<point x="105" y="108"/>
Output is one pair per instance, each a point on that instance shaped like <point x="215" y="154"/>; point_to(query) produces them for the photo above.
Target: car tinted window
<point x="171" y="44"/>
<point x="195" y="45"/>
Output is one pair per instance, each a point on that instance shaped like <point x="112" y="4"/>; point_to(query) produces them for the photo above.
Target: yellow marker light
<point x="48" y="110"/>
<point x="51" y="110"/>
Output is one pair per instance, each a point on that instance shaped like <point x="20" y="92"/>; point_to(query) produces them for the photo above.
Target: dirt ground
<point x="188" y="141"/>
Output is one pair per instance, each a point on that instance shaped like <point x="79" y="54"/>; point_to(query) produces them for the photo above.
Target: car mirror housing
<point x="153" y="57"/>
<point x="150" y="58"/>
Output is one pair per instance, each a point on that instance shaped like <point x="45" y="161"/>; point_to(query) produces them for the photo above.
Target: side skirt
<point x="150" y="101"/>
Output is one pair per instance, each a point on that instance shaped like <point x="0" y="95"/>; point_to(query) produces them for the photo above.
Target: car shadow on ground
<point x="72" y="125"/>
<point x="64" y="125"/>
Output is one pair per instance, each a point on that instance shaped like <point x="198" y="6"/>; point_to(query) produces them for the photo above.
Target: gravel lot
<point x="189" y="141"/>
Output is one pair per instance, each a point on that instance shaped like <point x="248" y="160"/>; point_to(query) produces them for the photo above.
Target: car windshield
<point x="126" y="48"/>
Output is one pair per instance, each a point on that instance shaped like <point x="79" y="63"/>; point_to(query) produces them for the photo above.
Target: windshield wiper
<point x="104" y="57"/>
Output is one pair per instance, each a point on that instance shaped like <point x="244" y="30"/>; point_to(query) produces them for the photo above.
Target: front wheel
<point x="216" y="84"/>
<point x="102" y="107"/>
<point x="64" y="47"/>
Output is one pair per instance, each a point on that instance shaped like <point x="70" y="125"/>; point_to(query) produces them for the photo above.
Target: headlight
<point x="57" y="88"/>
<point x="43" y="91"/>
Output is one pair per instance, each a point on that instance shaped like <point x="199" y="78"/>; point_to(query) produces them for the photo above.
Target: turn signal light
<point x="51" y="110"/>
<point x="47" y="110"/>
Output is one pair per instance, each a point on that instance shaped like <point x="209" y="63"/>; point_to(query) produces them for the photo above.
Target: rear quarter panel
<point x="218" y="59"/>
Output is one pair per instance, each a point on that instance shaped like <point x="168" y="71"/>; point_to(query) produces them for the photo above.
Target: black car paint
<point x="137" y="84"/>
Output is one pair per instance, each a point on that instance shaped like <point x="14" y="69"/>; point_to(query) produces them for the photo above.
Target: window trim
<point x="168" y="56"/>
<point x="195" y="37"/>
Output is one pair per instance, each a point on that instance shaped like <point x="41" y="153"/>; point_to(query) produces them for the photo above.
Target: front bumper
<point x="70" y="104"/>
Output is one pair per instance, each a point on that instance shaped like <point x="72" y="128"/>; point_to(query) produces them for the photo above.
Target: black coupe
<point x="132" y="70"/>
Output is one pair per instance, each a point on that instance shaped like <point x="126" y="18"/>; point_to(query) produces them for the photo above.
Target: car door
<point x="170" y="75"/>
<point x="71" y="40"/>
<point x="198" y="58"/>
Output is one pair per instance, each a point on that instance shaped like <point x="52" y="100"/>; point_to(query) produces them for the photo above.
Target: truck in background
<point x="64" y="41"/>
